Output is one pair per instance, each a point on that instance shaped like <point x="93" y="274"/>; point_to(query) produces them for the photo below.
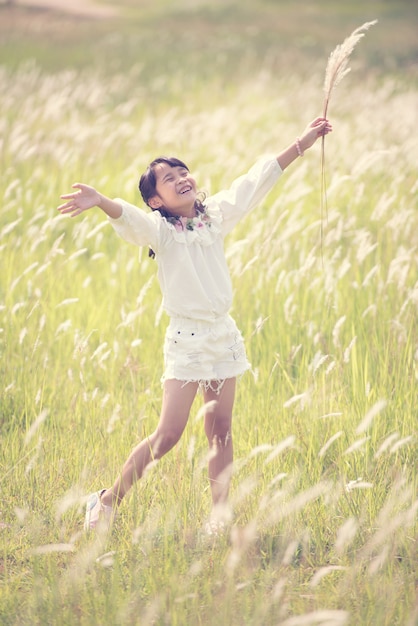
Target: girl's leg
<point x="177" y="401"/>
<point x="218" y="420"/>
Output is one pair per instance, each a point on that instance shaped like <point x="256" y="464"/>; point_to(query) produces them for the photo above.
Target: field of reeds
<point x="324" y="493"/>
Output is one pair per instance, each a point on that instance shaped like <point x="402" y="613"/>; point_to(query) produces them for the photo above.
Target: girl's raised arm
<point x="86" y="198"/>
<point x="317" y="128"/>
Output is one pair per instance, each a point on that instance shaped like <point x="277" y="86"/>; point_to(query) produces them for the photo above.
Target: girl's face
<point x="176" y="190"/>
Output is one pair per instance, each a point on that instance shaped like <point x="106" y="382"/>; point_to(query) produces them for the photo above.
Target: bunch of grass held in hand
<point x="337" y="68"/>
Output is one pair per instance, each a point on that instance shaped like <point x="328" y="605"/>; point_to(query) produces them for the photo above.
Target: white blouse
<point x="192" y="270"/>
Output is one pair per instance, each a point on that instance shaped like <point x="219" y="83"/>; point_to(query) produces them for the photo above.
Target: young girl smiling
<point x="203" y="347"/>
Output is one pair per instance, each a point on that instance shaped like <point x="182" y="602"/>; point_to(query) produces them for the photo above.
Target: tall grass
<point x="325" y="483"/>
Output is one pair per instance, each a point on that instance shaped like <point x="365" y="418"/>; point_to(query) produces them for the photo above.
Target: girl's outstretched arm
<point x="86" y="198"/>
<point x="317" y="128"/>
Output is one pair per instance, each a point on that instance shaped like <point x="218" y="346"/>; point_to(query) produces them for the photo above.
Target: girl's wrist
<point x="299" y="148"/>
<point x="100" y="199"/>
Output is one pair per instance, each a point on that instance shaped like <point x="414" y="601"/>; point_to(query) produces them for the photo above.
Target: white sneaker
<point x="215" y="528"/>
<point x="97" y="512"/>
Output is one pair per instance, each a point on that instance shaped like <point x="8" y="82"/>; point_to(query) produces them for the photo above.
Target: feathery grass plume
<point x="337" y="68"/>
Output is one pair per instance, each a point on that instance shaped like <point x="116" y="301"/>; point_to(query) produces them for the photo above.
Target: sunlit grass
<point x="324" y="490"/>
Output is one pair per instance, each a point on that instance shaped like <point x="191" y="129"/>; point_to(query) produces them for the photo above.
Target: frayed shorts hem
<point x="215" y="385"/>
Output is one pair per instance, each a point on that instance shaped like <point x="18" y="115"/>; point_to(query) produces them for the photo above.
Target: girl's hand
<point x="318" y="128"/>
<point x="85" y="198"/>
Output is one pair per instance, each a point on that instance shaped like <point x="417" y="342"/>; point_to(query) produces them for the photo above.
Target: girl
<point x="203" y="347"/>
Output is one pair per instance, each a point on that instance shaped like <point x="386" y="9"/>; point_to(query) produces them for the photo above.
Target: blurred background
<point x="222" y="38"/>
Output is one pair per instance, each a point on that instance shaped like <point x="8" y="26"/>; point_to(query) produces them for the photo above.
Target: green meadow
<point x="324" y="492"/>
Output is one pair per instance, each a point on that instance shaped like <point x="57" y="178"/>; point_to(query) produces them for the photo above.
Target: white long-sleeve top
<point x="192" y="269"/>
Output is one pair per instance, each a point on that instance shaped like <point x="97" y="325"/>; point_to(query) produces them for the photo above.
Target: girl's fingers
<point x="74" y="193"/>
<point x="318" y="121"/>
<point x="70" y="206"/>
<point x="67" y="196"/>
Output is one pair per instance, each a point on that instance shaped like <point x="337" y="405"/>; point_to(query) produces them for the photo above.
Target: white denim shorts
<point x="204" y="352"/>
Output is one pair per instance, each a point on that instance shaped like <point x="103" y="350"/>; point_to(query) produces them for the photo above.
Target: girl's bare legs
<point x="218" y="421"/>
<point x="177" y="401"/>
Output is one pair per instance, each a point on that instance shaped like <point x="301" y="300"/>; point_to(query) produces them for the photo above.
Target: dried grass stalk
<point x="337" y="66"/>
<point x="336" y="69"/>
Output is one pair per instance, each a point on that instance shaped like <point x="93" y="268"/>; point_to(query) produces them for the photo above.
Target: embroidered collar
<point x="182" y="223"/>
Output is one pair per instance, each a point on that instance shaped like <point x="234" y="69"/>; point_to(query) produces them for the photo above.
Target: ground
<point x="78" y="7"/>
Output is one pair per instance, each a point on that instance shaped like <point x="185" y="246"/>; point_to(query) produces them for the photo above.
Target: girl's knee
<point x="221" y="440"/>
<point x="218" y="431"/>
<point x="165" y="439"/>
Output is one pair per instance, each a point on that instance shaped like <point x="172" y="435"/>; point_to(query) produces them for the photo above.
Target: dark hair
<point x="148" y="186"/>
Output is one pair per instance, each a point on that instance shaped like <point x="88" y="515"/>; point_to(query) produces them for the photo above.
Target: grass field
<point x="324" y="493"/>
